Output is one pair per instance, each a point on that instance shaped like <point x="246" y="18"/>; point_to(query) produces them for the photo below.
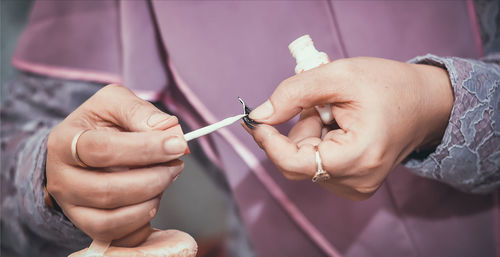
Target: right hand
<point x="383" y="110"/>
<point x="131" y="150"/>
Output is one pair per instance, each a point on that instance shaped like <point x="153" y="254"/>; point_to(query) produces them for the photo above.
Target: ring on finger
<point x="74" y="151"/>
<point x="321" y="174"/>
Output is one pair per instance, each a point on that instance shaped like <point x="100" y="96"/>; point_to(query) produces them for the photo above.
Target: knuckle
<point x="107" y="91"/>
<point x="103" y="193"/>
<point x="372" y="160"/>
<point x="288" y="82"/>
<point x="52" y="142"/>
<point x="112" y="87"/>
<point x="54" y="188"/>
<point x="147" y="149"/>
<point x="135" y="108"/>
<point x="287" y="175"/>
<point x="173" y="119"/>
<point x="287" y="90"/>
<point x="365" y="190"/>
<point x="98" y="151"/>
<point x="132" y="108"/>
<point x="56" y="185"/>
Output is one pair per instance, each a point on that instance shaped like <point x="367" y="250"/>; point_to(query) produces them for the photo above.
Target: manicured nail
<point x="175" y="145"/>
<point x="157" y="118"/>
<point x="262" y="112"/>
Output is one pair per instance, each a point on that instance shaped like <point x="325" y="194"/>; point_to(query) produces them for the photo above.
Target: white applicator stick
<point x="213" y="127"/>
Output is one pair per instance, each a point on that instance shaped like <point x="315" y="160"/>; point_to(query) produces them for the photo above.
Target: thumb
<point x="294" y="94"/>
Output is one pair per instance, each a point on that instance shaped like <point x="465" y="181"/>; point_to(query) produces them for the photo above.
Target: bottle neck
<point x="309" y="58"/>
<point x="306" y="55"/>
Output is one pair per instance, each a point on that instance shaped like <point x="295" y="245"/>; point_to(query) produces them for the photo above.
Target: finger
<point x="355" y="161"/>
<point x="308" y="126"/>
<point x="109" y="190"/>
<point x="293" y="161"/>
<point x="122" y="107"/>
<point x="104" y="148"/>
<point x="339" y="152"/>
<point x="313" y="87"/>
<point x="107" y="225"/>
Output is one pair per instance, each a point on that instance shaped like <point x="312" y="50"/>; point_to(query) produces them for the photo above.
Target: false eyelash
<point x="251" y="124"/>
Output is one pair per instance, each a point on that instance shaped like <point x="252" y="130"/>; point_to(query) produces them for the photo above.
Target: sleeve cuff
<point x="42" y="220"/>
<point x="468" y="156"/>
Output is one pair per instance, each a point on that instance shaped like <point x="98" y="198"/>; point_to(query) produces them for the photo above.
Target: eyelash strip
<point x="251" y="124"/>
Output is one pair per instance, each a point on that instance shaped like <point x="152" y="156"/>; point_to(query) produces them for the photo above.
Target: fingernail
<point x="152" y="212"/>
<point x="175" y="145"/>
<point x="157" y="118"/>
<point x="187" y="151"/>
<point x="262" y="112"/>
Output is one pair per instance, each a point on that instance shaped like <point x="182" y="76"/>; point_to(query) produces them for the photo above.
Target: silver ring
<point x="74" y="151"/>
<point x="321" y="174"/>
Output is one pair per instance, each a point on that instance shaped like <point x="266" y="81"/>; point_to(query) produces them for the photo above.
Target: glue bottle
<point x="307" y="58"/>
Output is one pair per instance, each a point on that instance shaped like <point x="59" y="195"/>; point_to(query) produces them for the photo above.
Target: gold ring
<point x="321" y="174"/>
<point x="74" y="151"/>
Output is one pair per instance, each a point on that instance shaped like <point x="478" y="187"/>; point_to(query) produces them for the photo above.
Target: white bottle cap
<point x="306" y="55"/>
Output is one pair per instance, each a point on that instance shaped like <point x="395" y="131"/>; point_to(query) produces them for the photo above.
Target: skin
<point x="132" y="151"/>
<point x="383" y="110"/>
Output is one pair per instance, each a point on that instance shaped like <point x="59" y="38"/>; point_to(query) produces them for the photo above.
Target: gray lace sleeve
<point x="33" y="106"/>
<point x="468" y="157"/>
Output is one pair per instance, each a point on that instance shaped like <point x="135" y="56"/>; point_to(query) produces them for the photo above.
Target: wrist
<point x="436" y="104"/>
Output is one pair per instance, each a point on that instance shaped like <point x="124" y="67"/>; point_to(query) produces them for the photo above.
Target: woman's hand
<point x="383" y="111"/>
<point x="131" y="150"/>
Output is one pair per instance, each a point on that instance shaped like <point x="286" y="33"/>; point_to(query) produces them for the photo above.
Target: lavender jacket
<point x="197" y="57"/>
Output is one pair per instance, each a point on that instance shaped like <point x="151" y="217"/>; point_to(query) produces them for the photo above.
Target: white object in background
<point x="307" y="58"/>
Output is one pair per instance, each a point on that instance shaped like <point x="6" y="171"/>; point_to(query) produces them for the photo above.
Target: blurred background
<point x="13" y="17"/>
<point x="198" y="203"/>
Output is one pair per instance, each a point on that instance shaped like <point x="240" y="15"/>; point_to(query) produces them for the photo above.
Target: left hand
<point x="130" y="150"/>
<point x="383" y="110"/>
